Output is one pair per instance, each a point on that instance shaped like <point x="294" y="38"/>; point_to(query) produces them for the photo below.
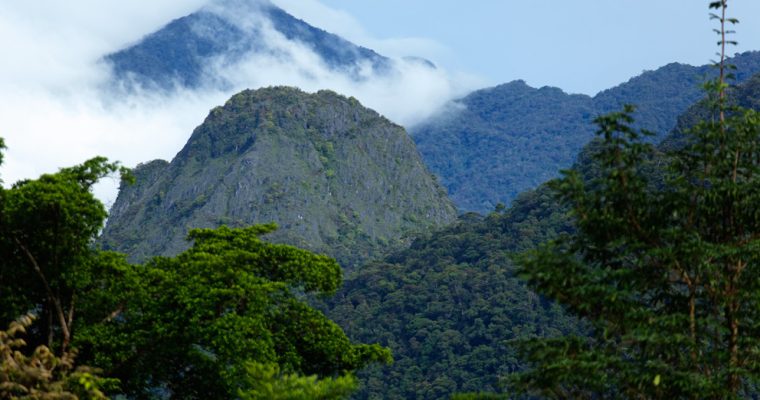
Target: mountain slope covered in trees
<point x="497" y="142"/>
<point x="338" y="178"/>
<point x="449" y="305"/>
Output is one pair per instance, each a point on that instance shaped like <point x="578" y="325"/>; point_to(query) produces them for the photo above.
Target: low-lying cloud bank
<point x="54" y="111"/>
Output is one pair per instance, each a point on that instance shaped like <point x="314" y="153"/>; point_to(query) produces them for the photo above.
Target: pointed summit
<point x="186" y="52"/>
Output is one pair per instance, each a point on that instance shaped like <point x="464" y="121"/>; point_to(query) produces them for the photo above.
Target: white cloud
<point x="53" y="112"/>
<point x="408" y="94"/>
<point x="45" y="42"/>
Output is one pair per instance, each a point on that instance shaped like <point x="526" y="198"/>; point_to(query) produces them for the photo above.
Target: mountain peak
<point x="337" y="178"/>
<point x="186" y="52"/>
<point x="512" y="85"/>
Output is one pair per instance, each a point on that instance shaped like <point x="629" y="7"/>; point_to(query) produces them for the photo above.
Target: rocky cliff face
<point x="336" y="177"/>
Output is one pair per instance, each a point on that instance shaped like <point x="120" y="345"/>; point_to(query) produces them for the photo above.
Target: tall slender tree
<point x="667" y="274"/>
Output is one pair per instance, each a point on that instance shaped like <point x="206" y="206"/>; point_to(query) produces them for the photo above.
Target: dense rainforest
<point x="453" y="306"/>
<point x="449" y="306"/>
<point x="632" y="275"/>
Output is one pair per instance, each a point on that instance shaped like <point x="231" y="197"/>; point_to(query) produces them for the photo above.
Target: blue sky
<point x="581" y="46"/>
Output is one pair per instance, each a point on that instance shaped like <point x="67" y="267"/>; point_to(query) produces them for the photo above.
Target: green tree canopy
<point x="227" y="318"/>
<point x="668" y="275"/>
<point x="47" y="263"/>
<point x="266" y="382"/>
<point x="195" y="323"/>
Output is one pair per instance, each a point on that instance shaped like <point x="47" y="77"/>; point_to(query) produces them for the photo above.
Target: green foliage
<point x="667" y="275"/>
<point x="745" y="95"/>
<point x="449" y="305"/>
<point x="47" y="264"/>
<point x="2" y="147"/>
<point x="194" y="323"/>
<point x="478" y="396"/>
<point x="266" y="382"/>
<point x="42" y="375"/>
<point x="185" y="327"/>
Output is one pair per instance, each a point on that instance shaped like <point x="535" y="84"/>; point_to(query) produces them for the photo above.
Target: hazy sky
<point x="582" y="46"/>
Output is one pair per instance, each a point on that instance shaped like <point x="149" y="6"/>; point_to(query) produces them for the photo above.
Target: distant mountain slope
<point x="507" y="139"/>
<point x="337" y="177"/>
<point x="450" y="304"/>
<point x="504" y="140"/>
<point x="662" y="95"/>
<point x="185" y="51"/>
<point x="746" y="94"/>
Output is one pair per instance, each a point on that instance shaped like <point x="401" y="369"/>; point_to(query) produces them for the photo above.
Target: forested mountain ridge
<point x="486" y="148"/>
<point x="338" y="178"/>
<point x="745" y="95"/>
<point x="449" y="305"/>
<point x="497" y="142"/>
<point x="185" y="52"/>
<point x="504" y="140"/>
<point x="663" y="95"/>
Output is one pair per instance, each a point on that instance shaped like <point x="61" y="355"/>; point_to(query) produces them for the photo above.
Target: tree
<point x="198" y="325"/>
<point x="2" y="147"/>
<point x="266" y="382"/>
<point x="666" y="275"/>
<point x="47" y="262"/>
<point x="194" y="324"/>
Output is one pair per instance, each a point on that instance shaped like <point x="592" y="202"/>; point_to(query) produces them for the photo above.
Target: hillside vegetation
<point x="495" y="143"/>
<point x="449" y="306"/>
<point x="452" y="307"/>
